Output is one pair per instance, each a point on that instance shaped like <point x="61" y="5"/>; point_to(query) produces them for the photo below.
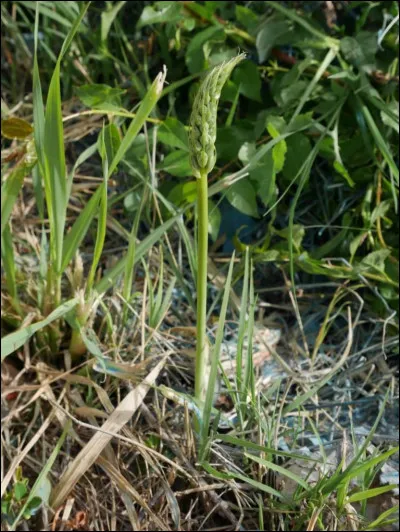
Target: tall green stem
<point x="203" y="156"/>
<point x="202" y="252"/>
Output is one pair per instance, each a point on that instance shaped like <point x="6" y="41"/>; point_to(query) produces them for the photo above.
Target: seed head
<point x="203" y="120"/>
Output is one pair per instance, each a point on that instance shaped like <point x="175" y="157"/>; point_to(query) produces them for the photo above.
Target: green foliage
<point x="305" y="146"/>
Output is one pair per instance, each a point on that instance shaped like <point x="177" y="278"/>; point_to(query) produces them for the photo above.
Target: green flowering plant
<point x="203" y="156"/>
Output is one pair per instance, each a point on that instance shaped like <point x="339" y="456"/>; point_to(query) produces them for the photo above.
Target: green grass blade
<point x="330" y="56"/>
<point x="13" y="341"/>
<point x="54" y="166"/>
<point x="300" y="399"/>
<point x="9" y="193"/>
<point x="74" y="28"/>
<point x="209" y="400"/>
<point x="380" y="141"/>
<point x="147" y="105"/>
<point x="367" y="494"/>
<point x="242" y="326"/>
<point x="86" y="154"/>
<point x="102" y="220"/>
<point x="130" y="254"/>
<point x="108" y="17"/>
<point x="226" y="476"/>
<point x="38" y="110"/>
<point x="7" y="255"/>
<point x="110" y="277"/>
<point x="278" y="469"/>
<point x="301" y="21"/>
<point x="43" y="475"/>
<point x="80" y="228"/>
<point x="383" y="518"/>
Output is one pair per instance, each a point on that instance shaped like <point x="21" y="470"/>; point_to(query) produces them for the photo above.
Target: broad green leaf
<point x="243" y="197"/>
<point x="183" y="192"/>
<point x="96" y="95"/>
<point x="247" y="150"/>
<point x="278" y="151"/>
<point x="298" y="149"/>
<point x="263" y="175"/>
<point x="15" y="128"/>
<point x="380" y="210"/>
<point x="158" y="13"/>
<point x="246" y="17"/>
<point x="173" y="133"/>
<point x="292" y="93"/>
<point x="132" y="201"/>
<point x="230" y="139"/>
<point x="274" y="31"/>
<point x="177" y="163"/>
<point x="105" y="150"/>
<point x="352" y="51"/>
<point x="297" y="234"/>
<point x="195" y="58"/>
<point x="54" y="169"/>
<point x="107" y="18"/>
<point x="356" y="243"/>
<point x="247" y="77"/>
<point x="390" y="115"/>
<point x="376" y="260"/>
<point x="15" y="340"/>
<point x="20" y="490"/>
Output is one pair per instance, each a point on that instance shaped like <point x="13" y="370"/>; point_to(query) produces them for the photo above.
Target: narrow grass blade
<point x="13" y="341"/>
<point x="274" y="467"/>
<point x="330" y="56"/>
<point x="380" y="141"/>
<point x="80" y="228"/>
<point x="9" y="193"/>
<point x="242" y="326"/>
<point x="367" y="494"/>
<point x="110" y="277"/>
<point x="291" y="13"/>
<point x="383" y="519"/>
<point x="54" y="167"/>
<point x="42" y="479"/>
<point x="38" y="108"/>
<point x="300" y="399"/>
<point x="147" y="105"/>
<point x="7" y="255"/>
<point x="102" y="220"/>
<point x="107" y="18"/>
<point x="226" y="476"/>
<point x="268" y="450"/>
<point x="214" y="362"/>
<point x="130" y="254"/>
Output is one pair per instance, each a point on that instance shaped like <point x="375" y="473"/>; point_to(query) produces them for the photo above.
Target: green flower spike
<point x="203" y="120"/>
